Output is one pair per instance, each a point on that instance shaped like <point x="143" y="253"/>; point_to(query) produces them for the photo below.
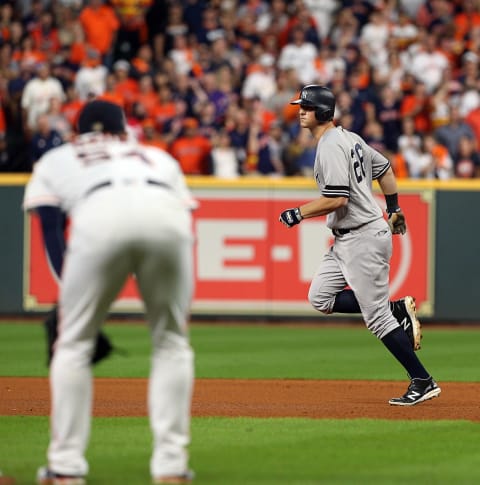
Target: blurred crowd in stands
<point x="211" y="81"/>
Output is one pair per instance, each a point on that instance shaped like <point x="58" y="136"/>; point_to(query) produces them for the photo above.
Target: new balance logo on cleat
<point x="418" y="391"/>
<point x="405" y="312"/>
<point x="405" y="323"/>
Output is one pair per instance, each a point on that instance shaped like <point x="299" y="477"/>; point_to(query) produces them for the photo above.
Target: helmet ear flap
<point x="323" y="114"/>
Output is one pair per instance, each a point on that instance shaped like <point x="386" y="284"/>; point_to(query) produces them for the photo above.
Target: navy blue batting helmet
<point x="101" y="116"/>
<point x="320" y="98"/>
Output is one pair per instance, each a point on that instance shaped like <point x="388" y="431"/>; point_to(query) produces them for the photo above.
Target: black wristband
<point x="392" y="203"/>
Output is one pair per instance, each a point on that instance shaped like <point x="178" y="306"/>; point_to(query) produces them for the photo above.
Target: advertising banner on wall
<point x="247" y="262"/>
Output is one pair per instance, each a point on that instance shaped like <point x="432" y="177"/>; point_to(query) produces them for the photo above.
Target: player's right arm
<point x="41" y="197"/>
<point x="53" y="221"/>
<point x="322" y="206"/>
<point x="317" y="207"/>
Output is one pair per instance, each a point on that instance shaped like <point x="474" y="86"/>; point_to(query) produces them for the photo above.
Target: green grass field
<point x="254" y="451"/>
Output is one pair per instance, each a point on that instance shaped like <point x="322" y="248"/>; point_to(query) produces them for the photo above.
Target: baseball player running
<point x="360" y="255"/>
<point x="130" y="214"/>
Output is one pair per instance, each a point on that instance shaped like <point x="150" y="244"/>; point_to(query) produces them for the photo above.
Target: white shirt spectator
<point x="469" y="101"/>
<point x="38" y="92"/>
<point x="404" y="33"/>
<point x="182" y="55"/>
<point x="322" y="11"/>
<point x="91" y="80"/>
<point x="427" y="64"/>
<point x="373" y="39"/>
<point x="261" y="83"/>
<point x="299" y="55"/>
<point x="428" y="68"/>
<point x="410" y="146"/>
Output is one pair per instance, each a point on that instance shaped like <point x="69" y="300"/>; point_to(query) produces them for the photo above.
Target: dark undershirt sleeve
<point x="53" y="222"/>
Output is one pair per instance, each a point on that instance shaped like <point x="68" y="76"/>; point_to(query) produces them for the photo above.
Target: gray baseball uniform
<point x="345" y="166"/>
<point x="344" y="169"/>
<point x="130" y="214"/>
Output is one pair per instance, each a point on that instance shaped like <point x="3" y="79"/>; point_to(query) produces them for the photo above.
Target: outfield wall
<point x="247" y="263"/>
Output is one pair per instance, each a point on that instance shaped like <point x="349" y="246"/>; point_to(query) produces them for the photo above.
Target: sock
<point x="346" y="302"/>
<point x="399" y="345"/>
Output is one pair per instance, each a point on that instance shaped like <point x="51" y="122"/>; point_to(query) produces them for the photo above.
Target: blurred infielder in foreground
<point x="130" y="214"/>
<point x="360" y="256"/>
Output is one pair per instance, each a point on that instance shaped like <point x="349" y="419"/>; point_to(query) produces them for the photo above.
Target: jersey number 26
<point x="356" y="155"/>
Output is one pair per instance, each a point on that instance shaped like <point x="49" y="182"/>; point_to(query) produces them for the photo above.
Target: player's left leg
<point x="165" y="279"/>
<point x="365" y="259"/>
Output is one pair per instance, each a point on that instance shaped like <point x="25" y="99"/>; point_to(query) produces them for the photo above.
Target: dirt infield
<point x="259" y="398"/>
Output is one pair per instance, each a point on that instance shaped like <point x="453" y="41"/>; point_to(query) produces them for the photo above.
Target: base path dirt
<point x="258" y="398"/>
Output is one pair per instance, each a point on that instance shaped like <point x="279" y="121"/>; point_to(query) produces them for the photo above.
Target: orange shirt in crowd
<point x="419" y="110"/>
<point x="192" y="152"/>
<point x="3" y="125"/>
<point x="290" y="111"/>
<point x="464" y="22"/>
<point x="473" y="119"/>
<point x="141" y="66"/>
<point x="163" y="112"/>
<point x="71" y="109"/>
<point x="127" y="89"/>
<point x="29" y="56"/>
<point x="441" y="156"/>
<point x="113" y="97"/>
<point x="149" y="101"/>
<point x="268" y="117"/>
<point x="78" y="53"/>
<point x="150" y="136"/>
<point x="46" y="43"/>
<point x="157" y="143"/>
<point x="100" y="25"/>
<point x="5" y="33"/>
<point x="399" y="166"/>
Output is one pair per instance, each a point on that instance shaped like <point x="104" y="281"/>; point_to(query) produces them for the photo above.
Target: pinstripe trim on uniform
<point x="378" y="175"/>
<point x="336" y="191"/>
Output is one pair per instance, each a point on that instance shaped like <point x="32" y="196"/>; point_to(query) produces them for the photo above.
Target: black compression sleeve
<point x="53" y="225"/>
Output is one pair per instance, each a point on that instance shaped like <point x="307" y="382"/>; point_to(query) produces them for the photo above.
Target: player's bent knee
<point x="320" y="304"/>
<point x="379" y="320"/>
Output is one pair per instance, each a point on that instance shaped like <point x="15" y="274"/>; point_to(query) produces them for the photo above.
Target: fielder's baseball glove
<point x="103" y="346"/>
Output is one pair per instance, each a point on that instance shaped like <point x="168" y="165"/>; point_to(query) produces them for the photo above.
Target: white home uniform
<point x="129" y="208"/>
